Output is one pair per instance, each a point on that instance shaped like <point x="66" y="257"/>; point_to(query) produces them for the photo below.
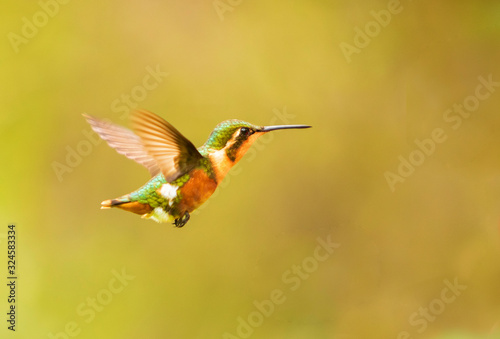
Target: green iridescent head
<point x="224" y="132"/>
<point x="233" y="134"/>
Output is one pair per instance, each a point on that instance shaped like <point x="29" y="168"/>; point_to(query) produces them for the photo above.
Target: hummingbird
<point x="183" y="176"/>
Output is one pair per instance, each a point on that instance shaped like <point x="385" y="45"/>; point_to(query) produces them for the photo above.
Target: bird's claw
<point x="179" y="222"/>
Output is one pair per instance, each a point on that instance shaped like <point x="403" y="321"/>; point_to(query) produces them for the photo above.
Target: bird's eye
<point x="246" y="131"/>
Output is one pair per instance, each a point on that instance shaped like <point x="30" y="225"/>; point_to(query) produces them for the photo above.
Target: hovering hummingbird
<point x="183" y="177"/>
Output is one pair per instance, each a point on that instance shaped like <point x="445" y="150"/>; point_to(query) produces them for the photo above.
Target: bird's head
<point x="231" y="139"/>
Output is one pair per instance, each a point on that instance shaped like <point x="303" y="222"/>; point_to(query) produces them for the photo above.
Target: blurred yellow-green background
<point x="413" y="231"/>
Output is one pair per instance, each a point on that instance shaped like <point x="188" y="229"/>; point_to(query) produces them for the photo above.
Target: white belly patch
<point x="169" y="192"/>
<point x="159" y="215"/>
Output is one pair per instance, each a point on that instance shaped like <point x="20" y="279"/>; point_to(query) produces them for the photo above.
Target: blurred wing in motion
<point x="174" y="153"/>
<point x="125" y="142"/>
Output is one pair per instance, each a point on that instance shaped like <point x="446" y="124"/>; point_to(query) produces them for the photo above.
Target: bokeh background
<point x="397" y="250"/>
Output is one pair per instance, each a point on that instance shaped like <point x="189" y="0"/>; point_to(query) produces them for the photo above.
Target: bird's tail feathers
<point x="127" y="204"/>
<point x="106" y="204"/>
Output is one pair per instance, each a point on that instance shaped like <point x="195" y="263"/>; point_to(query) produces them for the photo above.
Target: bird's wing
<point x="174" y="153"/>
<point x="125" y="142"/>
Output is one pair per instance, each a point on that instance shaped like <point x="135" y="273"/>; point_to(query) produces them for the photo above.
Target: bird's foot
<point x="179" y="222"/>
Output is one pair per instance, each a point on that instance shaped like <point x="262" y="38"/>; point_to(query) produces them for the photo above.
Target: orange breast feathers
<point x="196" y="191"/>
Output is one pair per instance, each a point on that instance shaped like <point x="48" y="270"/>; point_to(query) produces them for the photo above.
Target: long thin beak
<point x="274" y="128"/>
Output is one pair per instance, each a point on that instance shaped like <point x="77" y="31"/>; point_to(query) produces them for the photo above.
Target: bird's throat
<point x="221" y="164"/>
